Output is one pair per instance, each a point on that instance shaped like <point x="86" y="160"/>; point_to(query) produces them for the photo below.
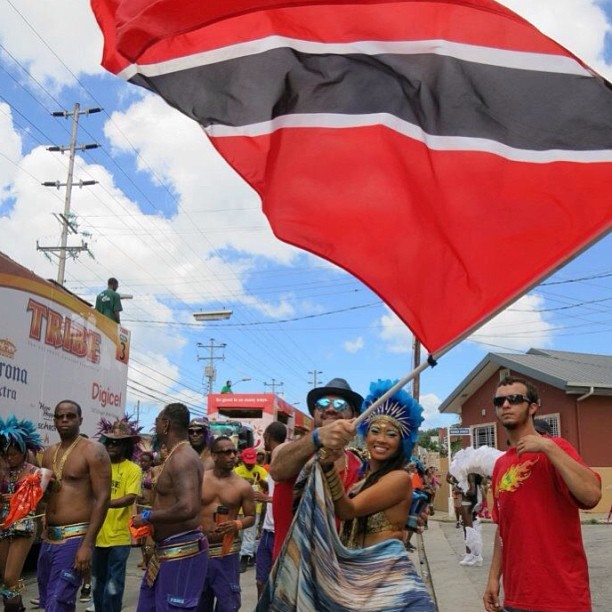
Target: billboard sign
<point x="54" y="346"/>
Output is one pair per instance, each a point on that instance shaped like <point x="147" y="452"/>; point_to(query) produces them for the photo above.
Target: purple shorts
<point x="58" y="581"/>
<point x="179" y="582"/>
<point x="264" y="562"/>
<point x="222" y="584"/>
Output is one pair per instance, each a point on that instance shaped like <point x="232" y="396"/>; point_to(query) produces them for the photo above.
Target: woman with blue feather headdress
<point x="18" y="438"/>
<point x="365" y="567"/>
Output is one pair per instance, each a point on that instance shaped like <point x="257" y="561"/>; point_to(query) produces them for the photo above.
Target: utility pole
<point x="273" y="384"/>
<point x="65" y="218"/>
<point x="314" y="381"/>
<point x="210" y="371"/>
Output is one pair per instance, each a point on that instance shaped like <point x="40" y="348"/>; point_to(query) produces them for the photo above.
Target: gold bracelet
<point x="335" y="484"/>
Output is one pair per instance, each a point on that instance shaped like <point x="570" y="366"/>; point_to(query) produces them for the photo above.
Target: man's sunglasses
<point x="513" y="400"/>
<point x="227" y="453"/>
<point x="195" y="431"/>
<point x="67" y="415"/>
<point x="338" y="404"/>
<point x="111" y="442"/>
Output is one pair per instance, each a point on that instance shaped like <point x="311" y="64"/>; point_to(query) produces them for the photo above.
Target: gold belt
<point x="215" y="549"/>
<point x="59" y="533"/>
<point x="178" y="551"/>
<point x="172" y="552"/>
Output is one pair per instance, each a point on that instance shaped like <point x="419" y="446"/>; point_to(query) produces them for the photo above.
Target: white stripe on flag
<point x="519" y="60"/>
<point x="436" y="143"/>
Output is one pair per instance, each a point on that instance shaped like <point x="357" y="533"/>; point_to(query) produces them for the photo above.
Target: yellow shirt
<point x="255" y="475"/>
<point x="125" y="480"/>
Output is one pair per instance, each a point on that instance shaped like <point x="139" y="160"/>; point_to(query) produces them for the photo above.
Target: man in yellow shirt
<point x="258" y="479"/>
<point x="113" y="543"/>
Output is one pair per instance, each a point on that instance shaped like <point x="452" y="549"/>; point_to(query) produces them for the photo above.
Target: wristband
<point x="145" y="515"/>
<point x="315" y="439"/>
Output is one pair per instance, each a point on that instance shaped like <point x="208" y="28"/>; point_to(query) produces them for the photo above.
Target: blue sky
<point x="182" y="233"/>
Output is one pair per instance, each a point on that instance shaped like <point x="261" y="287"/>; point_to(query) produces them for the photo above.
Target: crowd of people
<point x="321" y="507"/>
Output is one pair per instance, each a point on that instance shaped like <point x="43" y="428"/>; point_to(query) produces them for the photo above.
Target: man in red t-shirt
<point x="331" y="406"/>
<point x="539" y="484"/>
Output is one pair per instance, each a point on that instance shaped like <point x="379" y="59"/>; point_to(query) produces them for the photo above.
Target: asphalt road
<point x="597" y="539"/>
<point x="598" y="545"/>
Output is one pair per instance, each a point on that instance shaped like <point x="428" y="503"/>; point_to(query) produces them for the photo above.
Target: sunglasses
<point x="194" y="431"/>
<point x="110" y="442"/>
<point x="227" y="453"/>
<point x="513" y="400"/>
<point x="67" y="415"/>
<point x="338" y="404"/>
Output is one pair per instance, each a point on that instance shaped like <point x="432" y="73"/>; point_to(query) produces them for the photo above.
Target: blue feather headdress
<point x="401" y="409"/>
<point x="19" y="433"/>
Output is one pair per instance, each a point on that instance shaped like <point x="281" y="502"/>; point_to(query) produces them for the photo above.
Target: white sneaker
<point x="475" y="561"/>
<point x="90" y="608"/>
<point x="467" y="559"/>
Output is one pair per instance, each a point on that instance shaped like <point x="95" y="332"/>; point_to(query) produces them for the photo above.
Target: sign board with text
<point x="54" y="346"/>
<point x="459" y="431"/>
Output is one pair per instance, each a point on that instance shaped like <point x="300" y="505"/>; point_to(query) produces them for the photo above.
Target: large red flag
<point x="445" y="152"/>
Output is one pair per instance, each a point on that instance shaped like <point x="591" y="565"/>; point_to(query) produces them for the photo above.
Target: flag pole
<point x="430" y="361"/>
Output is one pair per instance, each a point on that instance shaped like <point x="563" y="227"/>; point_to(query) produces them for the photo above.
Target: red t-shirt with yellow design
<point x="544" y="566"/>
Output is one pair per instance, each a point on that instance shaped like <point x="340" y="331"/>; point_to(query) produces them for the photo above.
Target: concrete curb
<point x="453" y="589"/>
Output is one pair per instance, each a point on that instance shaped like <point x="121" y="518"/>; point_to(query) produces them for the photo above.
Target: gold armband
<point x="335" y="484"/>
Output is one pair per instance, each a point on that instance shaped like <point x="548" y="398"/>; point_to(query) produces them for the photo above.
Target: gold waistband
<point x="215" y="549"/>
<point x="178" y="551"/>
<point x="59" y="533"/>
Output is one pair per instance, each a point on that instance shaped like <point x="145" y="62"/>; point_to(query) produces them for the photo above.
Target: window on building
<point x="484" y="435"/>
<point x="554" y="422"/>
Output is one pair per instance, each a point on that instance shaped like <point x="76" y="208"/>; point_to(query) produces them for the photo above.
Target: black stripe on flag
<point x="446" y="96"/>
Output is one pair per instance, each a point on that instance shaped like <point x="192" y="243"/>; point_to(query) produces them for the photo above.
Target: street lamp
<point x="241" y="380"/>
<point x="213" y="315"/>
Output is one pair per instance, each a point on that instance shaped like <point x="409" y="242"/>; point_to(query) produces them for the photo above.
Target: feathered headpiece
<point x="401" y="409"/>
<point x="20" y="433"/>
<point x="121" y="429"/>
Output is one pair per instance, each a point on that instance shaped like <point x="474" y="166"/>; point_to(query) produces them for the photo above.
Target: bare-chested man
<point x="175" y="573"/>
<point x="222" y="487"/>
<point x="76" y="507"/>
<point x="200" y="438"/>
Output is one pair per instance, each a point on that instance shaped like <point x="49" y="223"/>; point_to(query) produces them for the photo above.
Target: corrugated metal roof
<point x="569" y="371"/>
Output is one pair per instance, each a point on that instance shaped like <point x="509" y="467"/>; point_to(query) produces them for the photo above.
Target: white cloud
<point x="433" y="418"/>
<point x="353" y="346"/>
<point x="394" y="333"/>
<point x="519" y="327"/>
<point x="67" y="27"/>
<point x="579" y="25"/>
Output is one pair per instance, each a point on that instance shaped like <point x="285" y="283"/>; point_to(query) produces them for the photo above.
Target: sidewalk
<point x="451" y="583"/>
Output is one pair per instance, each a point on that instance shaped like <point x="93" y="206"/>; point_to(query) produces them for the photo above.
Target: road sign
<point x="459" y="431"/>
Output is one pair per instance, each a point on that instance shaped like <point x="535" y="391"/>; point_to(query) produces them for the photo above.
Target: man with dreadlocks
<point x="17" y="440"/>
<point x="113" y="543"/>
